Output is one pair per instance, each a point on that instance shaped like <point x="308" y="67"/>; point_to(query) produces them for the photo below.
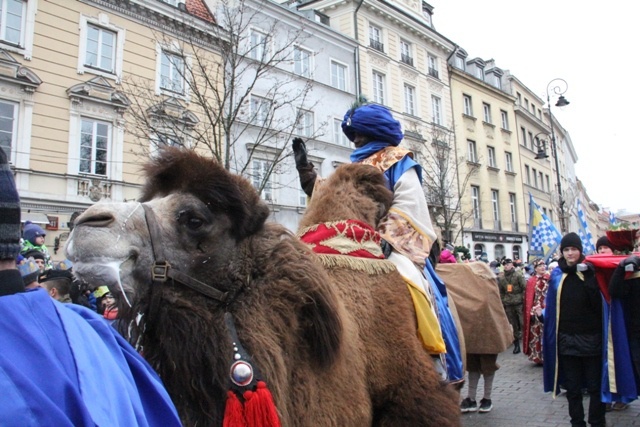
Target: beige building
<point x="486" y="135"/>
<point x="534" y="136"/>
<point x="401" y="63"/>
<point x="64" y="103"/>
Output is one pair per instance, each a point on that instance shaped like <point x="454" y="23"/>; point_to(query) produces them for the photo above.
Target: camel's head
<point x="353" y="191"/>
<point x="200" y="213"/>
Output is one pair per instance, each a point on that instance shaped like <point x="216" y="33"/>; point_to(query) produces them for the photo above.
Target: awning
<point x="36" y="218"/>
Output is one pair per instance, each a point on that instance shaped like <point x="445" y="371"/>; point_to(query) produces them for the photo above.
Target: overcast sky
<point x="589" y="44"/>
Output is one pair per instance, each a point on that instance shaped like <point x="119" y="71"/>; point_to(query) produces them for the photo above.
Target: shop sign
<point x="495" y="237"/>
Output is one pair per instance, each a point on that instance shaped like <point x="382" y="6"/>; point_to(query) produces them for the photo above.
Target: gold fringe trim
<point x="370" y="266"/>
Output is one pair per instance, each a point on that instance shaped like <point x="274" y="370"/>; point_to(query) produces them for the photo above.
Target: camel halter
<point x="161" y="270"/>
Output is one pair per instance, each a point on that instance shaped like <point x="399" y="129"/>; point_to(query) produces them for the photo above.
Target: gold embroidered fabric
<point x="398" y="230"/>
<point x="386" y="157"/>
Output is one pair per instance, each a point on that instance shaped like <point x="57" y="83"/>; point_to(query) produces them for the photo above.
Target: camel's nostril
<point x="101" y="219"/>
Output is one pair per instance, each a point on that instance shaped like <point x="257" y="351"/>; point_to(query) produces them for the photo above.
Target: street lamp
<point x="559" y="87"/>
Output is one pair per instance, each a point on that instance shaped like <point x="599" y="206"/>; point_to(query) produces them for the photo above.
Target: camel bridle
<point x="161" y="270"/>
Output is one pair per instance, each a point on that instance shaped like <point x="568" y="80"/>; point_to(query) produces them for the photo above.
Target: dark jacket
<point x="518" y="287"/>
<point x="628" y="291"/>
<point x="580" y="320"/>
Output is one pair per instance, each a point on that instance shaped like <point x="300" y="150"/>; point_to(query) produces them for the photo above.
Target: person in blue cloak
<point x="575" y="351"/>
<point x="62" y="364"/>
<point x="406" y="229"/>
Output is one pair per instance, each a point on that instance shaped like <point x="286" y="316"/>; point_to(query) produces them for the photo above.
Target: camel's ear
<point x="254" y="220"/>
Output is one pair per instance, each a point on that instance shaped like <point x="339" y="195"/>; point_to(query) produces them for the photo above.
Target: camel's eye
<point x="190" y="220"/>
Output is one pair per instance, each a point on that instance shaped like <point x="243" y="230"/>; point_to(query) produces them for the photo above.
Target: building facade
<point x="485" y="127"/>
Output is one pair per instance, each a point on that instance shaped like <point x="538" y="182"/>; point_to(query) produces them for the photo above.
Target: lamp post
<point x="559" y="87"/>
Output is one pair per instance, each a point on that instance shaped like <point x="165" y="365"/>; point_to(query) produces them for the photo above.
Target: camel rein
<point x="161" y="270"/>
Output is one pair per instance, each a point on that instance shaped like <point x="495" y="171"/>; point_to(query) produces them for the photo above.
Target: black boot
<point x="516" y="347"/>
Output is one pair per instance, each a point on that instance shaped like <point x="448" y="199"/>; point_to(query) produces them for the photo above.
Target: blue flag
<point x="612" y="218"/>
<point x="544" y="237"/>
<point x="583" y="231"/>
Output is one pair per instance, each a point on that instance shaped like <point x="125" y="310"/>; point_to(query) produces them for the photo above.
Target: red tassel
<point x="233" y="412"/>
<point x="260" y="410"/>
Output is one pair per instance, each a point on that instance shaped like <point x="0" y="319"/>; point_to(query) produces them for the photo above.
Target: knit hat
<point x="603" y="241"/>
<point x="9" y="211"/>
<point x="34" y="253"/>
<point x="31" y="231"/>
<point x="571" y="239"/>
<point x="29" y="271"/>
<point x="374" y="121"/>
<point x="507" y="261"/>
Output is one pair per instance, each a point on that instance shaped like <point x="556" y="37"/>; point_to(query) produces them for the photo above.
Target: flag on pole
<point x="612" y="218"/>
<point x="583" y="231"/>
<point x="544" y="237"/>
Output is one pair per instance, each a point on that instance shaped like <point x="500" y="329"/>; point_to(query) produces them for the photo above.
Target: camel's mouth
<point x="117" y="274"/>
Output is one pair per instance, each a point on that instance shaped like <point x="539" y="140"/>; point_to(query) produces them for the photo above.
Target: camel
<point x="203" y="281"/>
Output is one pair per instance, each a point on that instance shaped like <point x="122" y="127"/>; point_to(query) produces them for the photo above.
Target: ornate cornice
<point x="13" y="72"/>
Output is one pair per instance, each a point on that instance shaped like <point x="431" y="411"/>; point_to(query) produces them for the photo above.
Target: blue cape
<point x="618" y="363"/>
<point x="453" y="357"/>
<point x="63" y="365"/>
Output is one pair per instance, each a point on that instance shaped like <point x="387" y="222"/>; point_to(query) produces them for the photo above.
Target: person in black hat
<point x="573" y="347"/>
<point x="58" y="284"/>
<point x="603" y="246"/>
<point x="512" y="286"/>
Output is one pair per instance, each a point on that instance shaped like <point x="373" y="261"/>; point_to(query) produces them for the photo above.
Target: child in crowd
<point x="33" y="236"/>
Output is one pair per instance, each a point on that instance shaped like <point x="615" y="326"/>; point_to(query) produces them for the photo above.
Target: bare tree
<point x="446" y="178"/>
<point x="237" y="90"/>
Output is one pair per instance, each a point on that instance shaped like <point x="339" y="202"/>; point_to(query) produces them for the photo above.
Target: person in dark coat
<point x="573" y="346"/>
<point x="512" y="287"/>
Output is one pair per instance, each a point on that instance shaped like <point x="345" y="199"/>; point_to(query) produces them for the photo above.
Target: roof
<point x="199" y="9"/>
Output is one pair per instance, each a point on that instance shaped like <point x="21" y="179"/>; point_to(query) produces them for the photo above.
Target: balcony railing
<point x="375" y="44"/>
<point x="406" y="59"/>
<point x="434" y="73"/>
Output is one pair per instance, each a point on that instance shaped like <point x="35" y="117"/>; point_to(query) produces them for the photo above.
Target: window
<point x="257" y="45"/>
<point x="378" y="87"/>
<point x="531" y="142"/>
<point x="305" y="123"/>
<point x="491" y="153"/>
<point x="459" y="61"/>
<point x="94" y="146"/>
<point x="526" y="175"/>
<point x="12" y="21"/>
<point x="409" y="99"/>
<point x="8" y="124"/>
<point x="172" y="72"/>
<point x="405" y="52"/>
<point x="519" y="96"/>
<point x="524" y="136"/>
<point x="504" y="117"/>
<point x="261" y="176"/>
<point x="432" y="63"/>
<point x="101" y="47"/>
<point x="486" y="110"/>
<point x="259" y="110"/>
<point x="338" y="136"/>
<point x="535" y="177"/>
<point x="495" y="205"/>
<point x="302" y="62"/>
<point x="526" y="104"/>
<point x="475" y="201"/>
<point x="541" y="181"/>
<point x="436" y="106"/>
<point x="302" y="198"/>
<point x="473" y="155"/>
<point x="338" y="75"/>
<point x="508" y="162"/>
<point x="468" y="109"/>
<point x="375" y="38"/>
<point x="548" y="183"/>
<point x="512" y="208"/>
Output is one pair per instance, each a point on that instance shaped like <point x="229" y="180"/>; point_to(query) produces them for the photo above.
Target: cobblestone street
<point x="518" y="400"/>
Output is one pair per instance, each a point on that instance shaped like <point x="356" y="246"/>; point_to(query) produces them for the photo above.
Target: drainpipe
<point x="357" y="50"/>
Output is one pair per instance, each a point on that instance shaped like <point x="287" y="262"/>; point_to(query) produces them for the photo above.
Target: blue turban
<point x="374" y="121"/>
